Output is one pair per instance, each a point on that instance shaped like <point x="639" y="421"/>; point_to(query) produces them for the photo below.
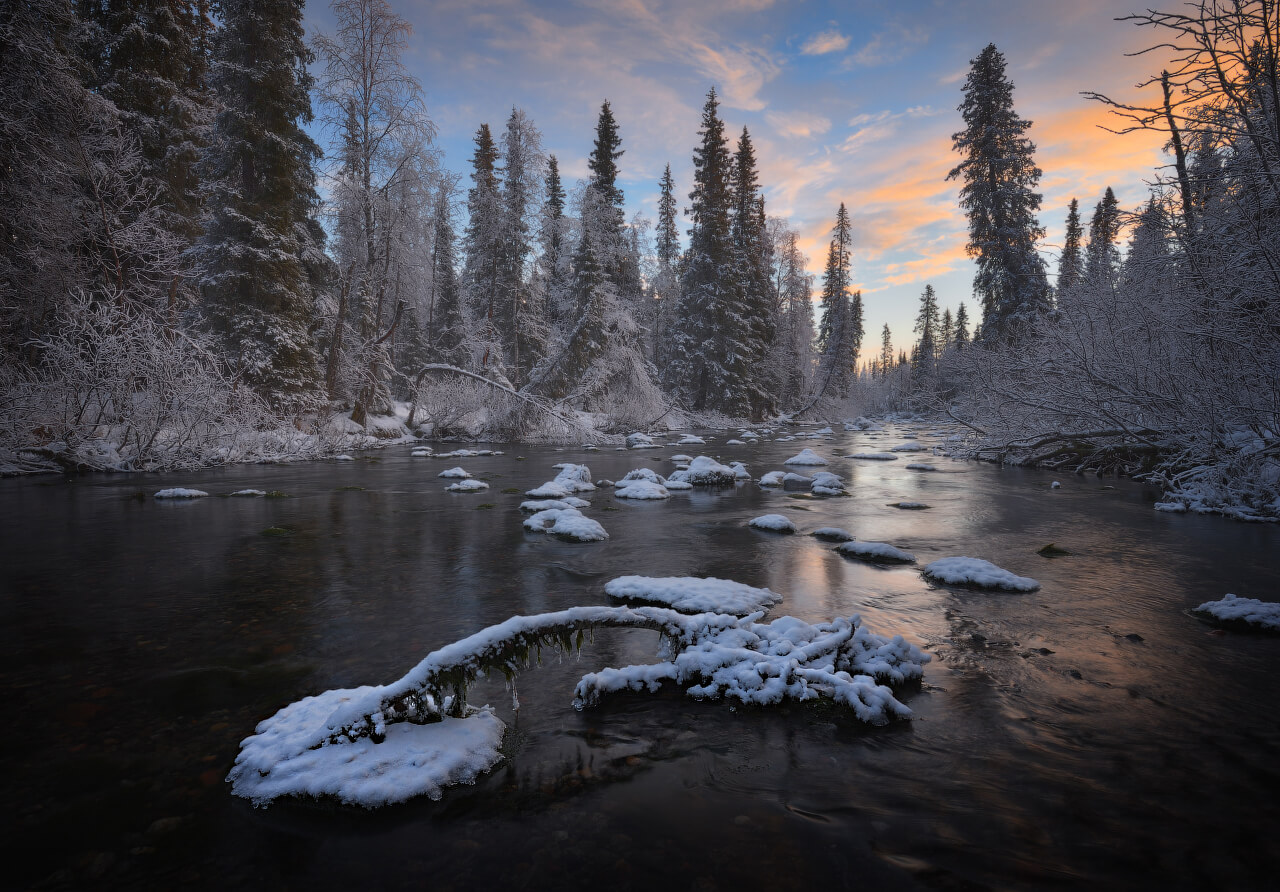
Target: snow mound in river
<point x="975" y="571"/>
<point x="1264" y="614"/>
<point x="691" y="594"/>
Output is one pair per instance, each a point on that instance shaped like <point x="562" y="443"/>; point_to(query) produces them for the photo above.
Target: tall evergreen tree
<point x="1071" y="265"/>
<point x="554" y="260"/>
<point x="840" y="331"/>
<point x="483" y="249"/>
<point x="447" y="330"/>
<point x="886" y="350"/>
<point x="705" y="340"/>
<point x="603" y="160"/>
<point x="1102" y="257"/>
<point x="752" y="262"/>
<point x="961" y="337"/>
<point x="521" y="319"/>
<point x="999" y="197"/>
<point x="668" y="235"/>
<point x="261" y="257"/>
<point x="927" y="327"/>
<point x="947" y="332"/>
<point x="148" y="58"/>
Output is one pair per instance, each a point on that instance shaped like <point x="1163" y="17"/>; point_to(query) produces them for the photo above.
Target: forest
<point x="189" y="278"/>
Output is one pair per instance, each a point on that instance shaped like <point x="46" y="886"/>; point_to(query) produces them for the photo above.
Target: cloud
<point x="828" y="41"/>
<point x="798" y="125"/>
<point x="889" y="45"/>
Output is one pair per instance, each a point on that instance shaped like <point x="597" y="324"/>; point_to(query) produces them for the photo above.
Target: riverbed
<point x="1089" y="734"/>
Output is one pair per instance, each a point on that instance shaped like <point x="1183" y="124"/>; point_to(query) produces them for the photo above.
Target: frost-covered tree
<point x="603" y="160"/>
<point x="375" y="111"/>
<point x="448" y="334"/>
<point x="553" y="270"/>
<point x="705" y="336"/>
<point x="1102" y="257"/>
<point x="483" y="251"/>
<point x="928" y="346"/>
<point x="840" y="331"/>
<point x="756" y="303"/>
<point x="961" y="337"/>
<point x="998" y="194"/>
<point x="790" y="354"/>
<point x="665" y="282"/>
<point x="947" y="332"/>
<point x="521" y="316"/>
<point x="886" y="350"/>
<point x="1071" y="264"/>
<point x="261" y="257"/>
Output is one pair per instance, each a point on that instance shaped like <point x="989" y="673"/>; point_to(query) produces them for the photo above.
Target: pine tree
<point x="1071" y="266"/>
<point x="260" y="256"/>
<point x="926" y="357"/>
<point x="840" y="331"/>
<point x="604" y="157"/>
<point x="999" y="197"/>
<point x="667" y="235"/>
<point x="752" y="261"/>
<point x="665" y="285"/>
<point x="961" y="338"/>
<point x="948" y="330"/>
<point x="554" y="260"/>
<point x="1102" y="257"/>
<point x="521" y="317"/>
<point x="447" y="330"/>
<point x="886" y="350"/>
<point x="147" y="59"/>
<point x="792" y="349"/>
<point x="483" y="249"/>
<point x="705" y="336"/>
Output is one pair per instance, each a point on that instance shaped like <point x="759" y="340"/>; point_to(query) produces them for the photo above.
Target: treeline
<point x="1165" y="360"/>
<point x="160" y="186"/>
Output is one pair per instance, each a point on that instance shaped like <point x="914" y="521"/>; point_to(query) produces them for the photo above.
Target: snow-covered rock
<point x="806" y="457"/>
<point x="1263" y="614"/>
<point x="874" y="456"/>
<point x="827" y="484"/>
<point x="907" y="447"/>
<point x="458" y="472"/>
<point x="533" y="507"/>
<point x="877" y="552"/>
<point x="640" y="441"/>
<point x="773" y="478"/>
<point x="343" y="457"/>
<point x="920" y="466"/>
<point x="691" y="440"/>
<point x="642" y="490"/>
<point x="796" y="481"/>
<point x="682" y="459"/>
<point x="832" y="534"/>
<point x="734" y="443"/>
<point x="975" y="571"/>
<point x="421" y="452"/>
<point x="910" y="506"/>
<point x="566" y="523"/>
<point x="179" y="492"/>
<point x="692" y="594"/>
<point x="673" y="484"/>
<point x="704" y="471"/>
<point x="775" y="523"/>
<point x="413" y="760"/>
<point x="468" y="485"/>
<point x="825" y="430"/>
<point x="861" y="423"/>
<point x="646" y="474"/>
<point x="740" y="471"/>
<point x="571" y="479"/>
<point x="248" y="493"/>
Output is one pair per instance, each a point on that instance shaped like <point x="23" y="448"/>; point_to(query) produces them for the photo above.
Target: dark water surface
<point x="140" y="641"/>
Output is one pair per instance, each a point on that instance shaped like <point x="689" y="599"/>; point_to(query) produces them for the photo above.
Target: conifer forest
<point x="227" y="240"/>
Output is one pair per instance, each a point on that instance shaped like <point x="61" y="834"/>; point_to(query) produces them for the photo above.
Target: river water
<point x="1090" y="734"/>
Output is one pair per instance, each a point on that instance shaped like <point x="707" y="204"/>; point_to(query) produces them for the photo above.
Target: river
<point x="1090" y="734"/>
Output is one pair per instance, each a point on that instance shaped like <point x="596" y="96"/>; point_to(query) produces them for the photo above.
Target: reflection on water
<point x="1090" y="733"/>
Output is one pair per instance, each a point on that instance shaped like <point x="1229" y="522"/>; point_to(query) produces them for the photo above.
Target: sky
<point x="850" y="102"/>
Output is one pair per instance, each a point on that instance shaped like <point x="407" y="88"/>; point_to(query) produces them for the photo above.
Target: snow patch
<point x="468" y="485"/>
<point x="806" y="457"/>
<point x="692" y="594"/>
<point x="975" y="571"/>
<point x="457" y="472"/>
<point x="874" y="456"/>
<point x="704" y="471"/>
<point x="832" y="534"/>
<point x="566" y="523"/>
<point x="181" y="493"/>
<point x="876" y="551"/>
<point x="1264" y="614"/>
<point x="642" y="490"/>
<point x="777" y="523"/>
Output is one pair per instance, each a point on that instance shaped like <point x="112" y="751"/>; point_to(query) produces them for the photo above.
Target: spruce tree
<point x="1071" y="265"/>
<point x="483" y="249"/>
<point x="886" y="350"/>
<point x="668" y="237"/>
<point x="947" y="332"/>
<point x="1102" y="257"/>
<point x="704" y="338"/>
<point x="447" y="330"/>
<point x="603" y="160"/>
<point x="665" y="285"/>
<point x="999" y="197"/>
<point x="961" y="337"/>
<point x="554" y="259"/>
<point x="755" y="301"/>
<point x="261" y="256"/>
<point x="840" y="331"/>
<point x="927" y="326"/>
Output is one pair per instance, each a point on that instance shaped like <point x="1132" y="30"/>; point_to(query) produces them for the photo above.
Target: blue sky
<point x="852" y="101"/>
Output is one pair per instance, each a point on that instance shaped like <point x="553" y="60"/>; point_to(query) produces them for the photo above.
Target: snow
<point x="920" y="466"/>
<point x="806" y="457"/>
<point x="825" y="430"/>
<point x="692" y="594"/>
<point x="468" y="485"/>
<point x="704" y="471"/>
<point x="861" y="423"/>
<point x="691" y="440"/>
<point x="640" y="474"/>
<point x="1264" y="614"/>
<point x="874" y="456"/>
<point x="413" y="760"/>
<point x="975" y="571"/>
<point x="833" y="534"/>
<point x="827" y="484"/>
<point x="740" y="471"/>
<point x="643" y="490"/>
<point x="248" y="493"/>
<point x="764" y="664"/>
<point x="571" y="479"/>
<point x="796" y="480"/>
<point x="181" y="493"/>
<point x="673" y="484"/>
<point x="1055" y="485"/>
<point x="343" y="457"/>
<point x="777" y="523"/>
<point x="773" y="478"/>
<point x="734" y="443"/>
<point x="454" y="472"/>
<point x="537" y="505"/>
<point x="420" y="453"/>
<point x="463" y="453"/>
<point x="875" y="551"/>
<point x="907" y="447"/>
<point x="682" y="459"/>
<point x="640" y="441"/>
<point x="566" y="523"/>
<point x="1171" y="507"/>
